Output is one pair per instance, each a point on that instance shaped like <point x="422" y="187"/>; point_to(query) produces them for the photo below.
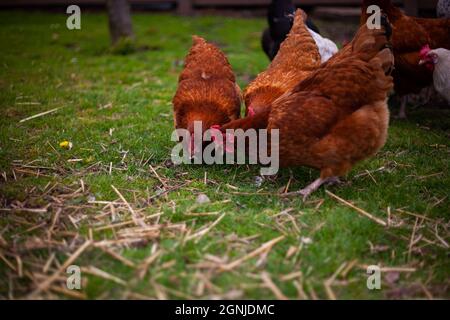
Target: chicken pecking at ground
<point x="298" y="56"/>
<point x="338" y="115"/>
<point x="438" y="60"/>
<point x="410" y="35"/>
<point x="280" y="16"/>
<point x="207" y="89"/>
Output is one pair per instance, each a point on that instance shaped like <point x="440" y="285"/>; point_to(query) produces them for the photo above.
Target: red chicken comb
<point x="214" y="127"/>
<point x="424" y="51"/>
<point x="250" y="112"/>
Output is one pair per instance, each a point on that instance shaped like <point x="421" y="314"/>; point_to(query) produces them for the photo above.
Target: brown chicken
<point x="297" y="58"/>
<point x="338" y="115"/>
<point x="410" y="36"/>
<point x="207" y="89"/>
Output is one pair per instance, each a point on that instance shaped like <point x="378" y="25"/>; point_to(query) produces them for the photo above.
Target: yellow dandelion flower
<point x="65" y="144"/>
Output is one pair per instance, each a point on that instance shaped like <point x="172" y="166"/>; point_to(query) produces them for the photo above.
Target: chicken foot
<point x="305" y="192"/>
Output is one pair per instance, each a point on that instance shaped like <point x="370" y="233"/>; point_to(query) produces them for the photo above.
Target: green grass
<point x="96" y="90"/>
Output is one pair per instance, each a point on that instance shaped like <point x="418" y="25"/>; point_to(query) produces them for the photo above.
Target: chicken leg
<point x="305" y="192"/>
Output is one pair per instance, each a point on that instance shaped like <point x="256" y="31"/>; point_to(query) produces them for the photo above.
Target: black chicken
<point x="280" y="17"/>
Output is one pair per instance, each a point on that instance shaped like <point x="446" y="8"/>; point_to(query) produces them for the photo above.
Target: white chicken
<point x="439" y="61"/>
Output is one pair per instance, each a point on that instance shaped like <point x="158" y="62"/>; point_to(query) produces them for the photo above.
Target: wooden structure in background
<point x="411" y="6"/>
<point x="185" y="7"/>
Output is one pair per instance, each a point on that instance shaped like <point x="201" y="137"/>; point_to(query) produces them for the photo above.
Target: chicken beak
<point x="422" y="62"/>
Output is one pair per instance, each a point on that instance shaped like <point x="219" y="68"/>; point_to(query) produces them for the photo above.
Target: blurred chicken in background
<point x="409" y="37"/>
<point x="438" y="61"/>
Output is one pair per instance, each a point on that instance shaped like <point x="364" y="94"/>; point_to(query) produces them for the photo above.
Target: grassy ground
<point x="116" y="110"/>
